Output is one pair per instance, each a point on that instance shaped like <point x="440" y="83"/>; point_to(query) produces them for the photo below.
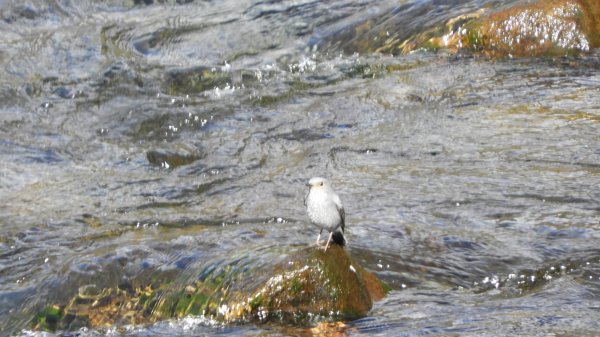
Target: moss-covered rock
<point x="93" y="307"/>
<point x="309" y="286"/>
<point x="542" y="28"/>
<point x="315" y="285"/>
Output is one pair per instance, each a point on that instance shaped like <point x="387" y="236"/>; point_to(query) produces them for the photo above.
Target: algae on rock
<point x="309" y="286"/>
<point x="316" y="285"/>
<point x="543" y="28"/>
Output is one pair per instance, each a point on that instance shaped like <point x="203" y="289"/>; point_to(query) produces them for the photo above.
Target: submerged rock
<point x="92" y="307"/>
<point x="195" y="80"/>
<point x="309" y="286"/>
<point x="172" y="159"/>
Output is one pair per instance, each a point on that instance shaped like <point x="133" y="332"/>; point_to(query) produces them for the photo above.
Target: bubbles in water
<point x="146" y="225"/>
<point x="226" y="67"/>
<point x="227" y="90"/>
<point x="305" y="64"/>
<point x="259" y="75"/>
<point x="276" y="220"/>
<point x="494" y="281"/>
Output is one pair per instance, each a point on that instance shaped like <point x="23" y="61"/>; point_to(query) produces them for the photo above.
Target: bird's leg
<point x="319" y="237"/>
<point x="328" y="241"/>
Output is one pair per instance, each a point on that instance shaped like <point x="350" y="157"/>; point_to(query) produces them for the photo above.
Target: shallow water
<point x="175" y="140"/>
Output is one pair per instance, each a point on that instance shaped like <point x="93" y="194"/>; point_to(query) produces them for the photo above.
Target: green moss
<point x="299" y="85"/>
<point x="256" y="302"/>
<point x="49" y="318"/>
<point x="266" y="100"/>
<point x="193" y="304"/>
<point x="198" y="304"/>
<point x="474" y="39"/>
<point x="390" y="68"/>
<point x="296" y="285"/>
<point x="431" y="45"/>
<point x="386" y="287"/>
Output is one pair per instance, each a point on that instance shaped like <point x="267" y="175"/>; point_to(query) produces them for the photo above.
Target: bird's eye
<point x="321" y="183"/>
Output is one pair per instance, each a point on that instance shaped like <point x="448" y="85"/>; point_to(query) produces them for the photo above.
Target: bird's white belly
<point x="323" y="213"/>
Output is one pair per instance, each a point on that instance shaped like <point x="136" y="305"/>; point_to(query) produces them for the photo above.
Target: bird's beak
<point x="307" y="185"/>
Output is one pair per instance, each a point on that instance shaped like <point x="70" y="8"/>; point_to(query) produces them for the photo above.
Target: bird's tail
<point x="338" y="238"/>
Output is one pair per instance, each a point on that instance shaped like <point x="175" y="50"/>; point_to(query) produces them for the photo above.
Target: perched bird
<point x="325" y="210"/>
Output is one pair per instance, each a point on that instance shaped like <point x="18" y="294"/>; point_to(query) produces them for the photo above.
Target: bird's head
<point x="318" y="183"/>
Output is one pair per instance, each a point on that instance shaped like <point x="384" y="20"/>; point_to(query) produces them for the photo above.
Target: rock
<point x="311" y="286"/>
<point x="308" y="287"/>
<point x="316" y="285"/>
<point x="195" y="80"/>
<point x="93" y="307"/>
<point x="590" y="22"/>
<point x="543" y="28"/>
<point x="172" y="159"/>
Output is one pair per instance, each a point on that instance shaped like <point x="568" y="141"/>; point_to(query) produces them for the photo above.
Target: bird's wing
<point x="343" y="217"/>
<point x="340" y="209"/>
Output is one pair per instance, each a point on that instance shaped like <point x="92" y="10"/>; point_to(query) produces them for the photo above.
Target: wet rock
<point x="93" y="307"/>
<point x="543" y="28"/>
<point x="314" y="285"/>
<point x="195" y="80"/>
<point x="171" y="159"/>
<point x="310" y="286"/>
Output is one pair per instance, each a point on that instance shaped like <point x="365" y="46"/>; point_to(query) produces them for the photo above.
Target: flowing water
<point x="175" y="138"/>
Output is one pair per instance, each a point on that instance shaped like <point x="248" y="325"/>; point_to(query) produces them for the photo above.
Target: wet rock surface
<point x="541" y="28"/>
<point x="544" y="28"/>
<point x="317" y="285"/>
<point x="311" y="286"/>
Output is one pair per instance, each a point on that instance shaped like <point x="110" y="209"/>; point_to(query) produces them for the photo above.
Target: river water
<point x="175" y="138"/>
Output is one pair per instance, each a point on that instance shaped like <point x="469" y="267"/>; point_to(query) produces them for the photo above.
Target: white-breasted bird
<point x="325" y="210"/>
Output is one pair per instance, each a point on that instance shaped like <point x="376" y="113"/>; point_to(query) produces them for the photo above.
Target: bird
<point x="325" y="210"/>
